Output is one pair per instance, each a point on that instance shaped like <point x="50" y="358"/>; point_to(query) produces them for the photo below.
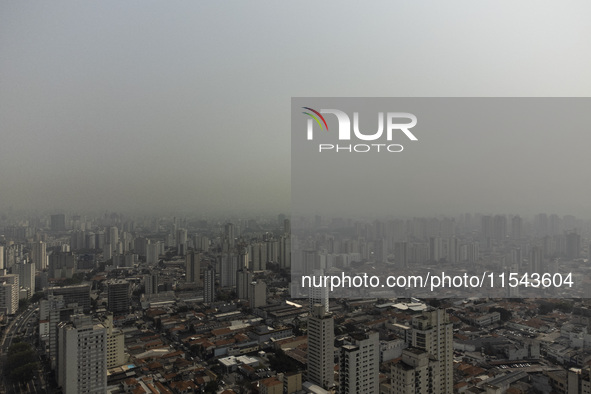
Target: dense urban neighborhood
<point x="177" y="305"/>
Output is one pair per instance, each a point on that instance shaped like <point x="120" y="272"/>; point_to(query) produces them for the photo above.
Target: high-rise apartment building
<point x="319" y="295"/>
<point x="39" y="255"/>
<point x="153" y="252"/>
<point x="579" y="380"/>
<point x="181" y="242"/>
<point x="26" y="276"/>
<point x="321" y="347"/>
<point x="58" y="222"/>
<point x="62" y="265"/>
<point x="52" y="311"/>
<point x="359" y="364"/>
<point x="75" y="294"/>
<point x="228" y="269"/>
<point x="229" y="235"/>
<point x="516" y="227"/>
<point x="115" y="343"/>
<point x="151" y="283"/>
<point x="416" y="372"/>
<point x="432" y="332"/>
<point x="209" y="285"/>
<point x="9" y="289"/>
<point x="285" y="251"/>
<point x="243" y="281"/>
<point x="258" y="257"/>
<point x="118" y="296"/>
<point x="193" y="267"/>
<point x="82" y="356"/>
<point x="573" y="245"/>
<point x="113" y="236"/>
<point x="257" y="294"/>
<point x="500" y="227"/>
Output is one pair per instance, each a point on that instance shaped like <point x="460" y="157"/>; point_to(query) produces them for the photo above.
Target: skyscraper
<point x="486" y="228"/>
<point x="285" y="251"/>
<point x="9" y="287"/>
<point x="259" y="256"/>
<point x="82" y="356"/>
<point x="319" y="295"/>
<point x="257" y="294"/>
<point x="79" y="294"/>
<point x="113" y="236"/>
<point x="118" y="296"/>
<point x="535" y="260"/>
<point x="516" y="227"/>
<point x="115" y="343"/>
<point x="229" y="234"/>
<point x="153" y="252"/>
<point x="26" y="275"/>
<point x="181" y="241"/>
<point x="435" y="249"/>
<point x="432" y="332"/>
<point x="193" y="267"/>
<point x="228" y="266"/>
<point x="359" y="364"/>
<point x="58" y="222"/>
<point x="209" y="285"/>
<point x="52" y="311"/>
<point x="401" y="253"/>
<point x="39" y="255"/>
<point x="416" y="372"/>
<point x="573" y="245"/>
<point x="321" y="347"/>
<point x="151" y="283"/>
<point x="499" y="227"/>
<point x="243" y="281"/>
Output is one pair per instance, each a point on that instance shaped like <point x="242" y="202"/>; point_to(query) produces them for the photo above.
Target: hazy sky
<point x="185" y="105"/>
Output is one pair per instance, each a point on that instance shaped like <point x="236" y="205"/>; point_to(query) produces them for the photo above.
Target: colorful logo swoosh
<point x="316" y="117"/>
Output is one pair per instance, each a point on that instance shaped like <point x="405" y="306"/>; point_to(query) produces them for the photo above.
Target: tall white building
<point x="82" y="356"/>
<point x="52" y="311"/>
<point x="359" y="364"/>
<point x="2" y="257"/>
<point x="321" y="347"/>
<point x="319" y="295"/>
<point x="433" y="333"/>
<point x="9" y="288"/>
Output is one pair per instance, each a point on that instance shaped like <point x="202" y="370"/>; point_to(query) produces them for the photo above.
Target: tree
<point x="20" y="362"/>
